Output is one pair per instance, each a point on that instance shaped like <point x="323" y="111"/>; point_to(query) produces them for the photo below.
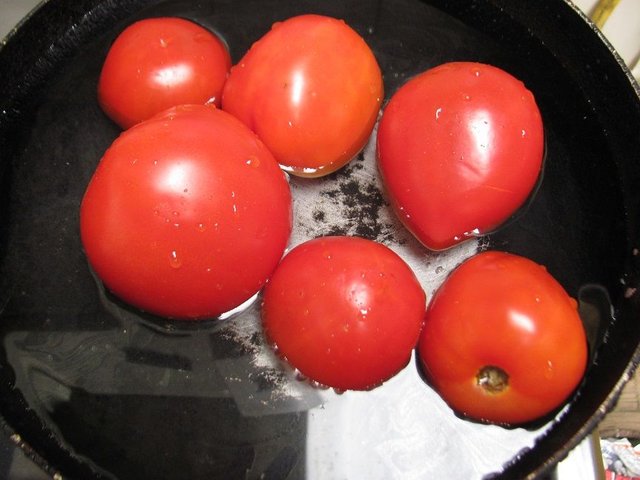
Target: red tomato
<point x="159" y="63"/>
<point x="187" y="214"/>
<point x="311" y="89"/>
<point x="502" y="340"/>
<point x="460" y="148"/>
<point x="345" y="311"/>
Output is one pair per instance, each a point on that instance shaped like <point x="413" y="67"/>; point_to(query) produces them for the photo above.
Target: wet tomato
<point x="158" y="63"/>
<point x="311" y="89"/>
<point x="187" y="214"/>
<point x="502" y="340"/>
<point x="460" y="149"/>
<point x="344" y="311"/>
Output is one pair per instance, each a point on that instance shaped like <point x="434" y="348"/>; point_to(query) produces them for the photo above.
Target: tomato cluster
<point x="196" y="185"/>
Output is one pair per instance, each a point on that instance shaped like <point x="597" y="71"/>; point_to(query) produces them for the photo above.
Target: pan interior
<point x="103" y="391"/>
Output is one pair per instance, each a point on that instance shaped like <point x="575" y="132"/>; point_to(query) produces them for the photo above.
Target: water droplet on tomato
<point x="201" y="227"/>
<point x="302" y="171"/>
<point x="262" y="233"/>
<point x="339" y="391"/>
<point x="174" y="259"/>
<point x="318" y="385"/>
<point x="201" y="37"/>
<point x="549" y="372"/>
<point x="253" y="161"/>
<point x="438" y="112"/>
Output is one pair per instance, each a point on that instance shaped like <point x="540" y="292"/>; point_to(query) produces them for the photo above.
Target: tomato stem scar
<point x="492" y="379"/>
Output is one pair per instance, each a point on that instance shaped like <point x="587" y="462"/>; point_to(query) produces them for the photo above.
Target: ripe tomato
<point x="345" y="311"/>
<point x="158" y="63"/>
<point x="311" y="89"/>
<point x="460" y="148"/>
<point x="187" y="214"/>
<point x="502" y="340"/>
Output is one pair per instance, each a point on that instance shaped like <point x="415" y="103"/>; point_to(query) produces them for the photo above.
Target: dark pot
<point x="95" y="389"/>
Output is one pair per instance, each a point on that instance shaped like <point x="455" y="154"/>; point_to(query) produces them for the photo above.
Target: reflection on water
<point x="596" y="312"/>
<point x="202" y="402"/>
<point x="140" y="397"/>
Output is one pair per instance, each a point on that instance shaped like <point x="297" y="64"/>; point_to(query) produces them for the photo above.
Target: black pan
<point x="93" y="389"/>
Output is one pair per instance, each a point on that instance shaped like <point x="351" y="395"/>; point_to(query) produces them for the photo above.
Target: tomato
<point x="502" y="340"/>
<point x="346" y="312"/>
<point x="187" y="214"/>
<point x="460" y="149"/>
<point x="158" y="63"/>
<point x="311" y="89"/>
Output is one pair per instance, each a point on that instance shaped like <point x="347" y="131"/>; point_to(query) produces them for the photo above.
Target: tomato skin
<point x="187" y="214"/>
<point x="502" y="310"/>
<point x="460" y="149"/>
<point x="311" y="89"/>
<point x="345" y="311"/>
<point x="158" y="63"/>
